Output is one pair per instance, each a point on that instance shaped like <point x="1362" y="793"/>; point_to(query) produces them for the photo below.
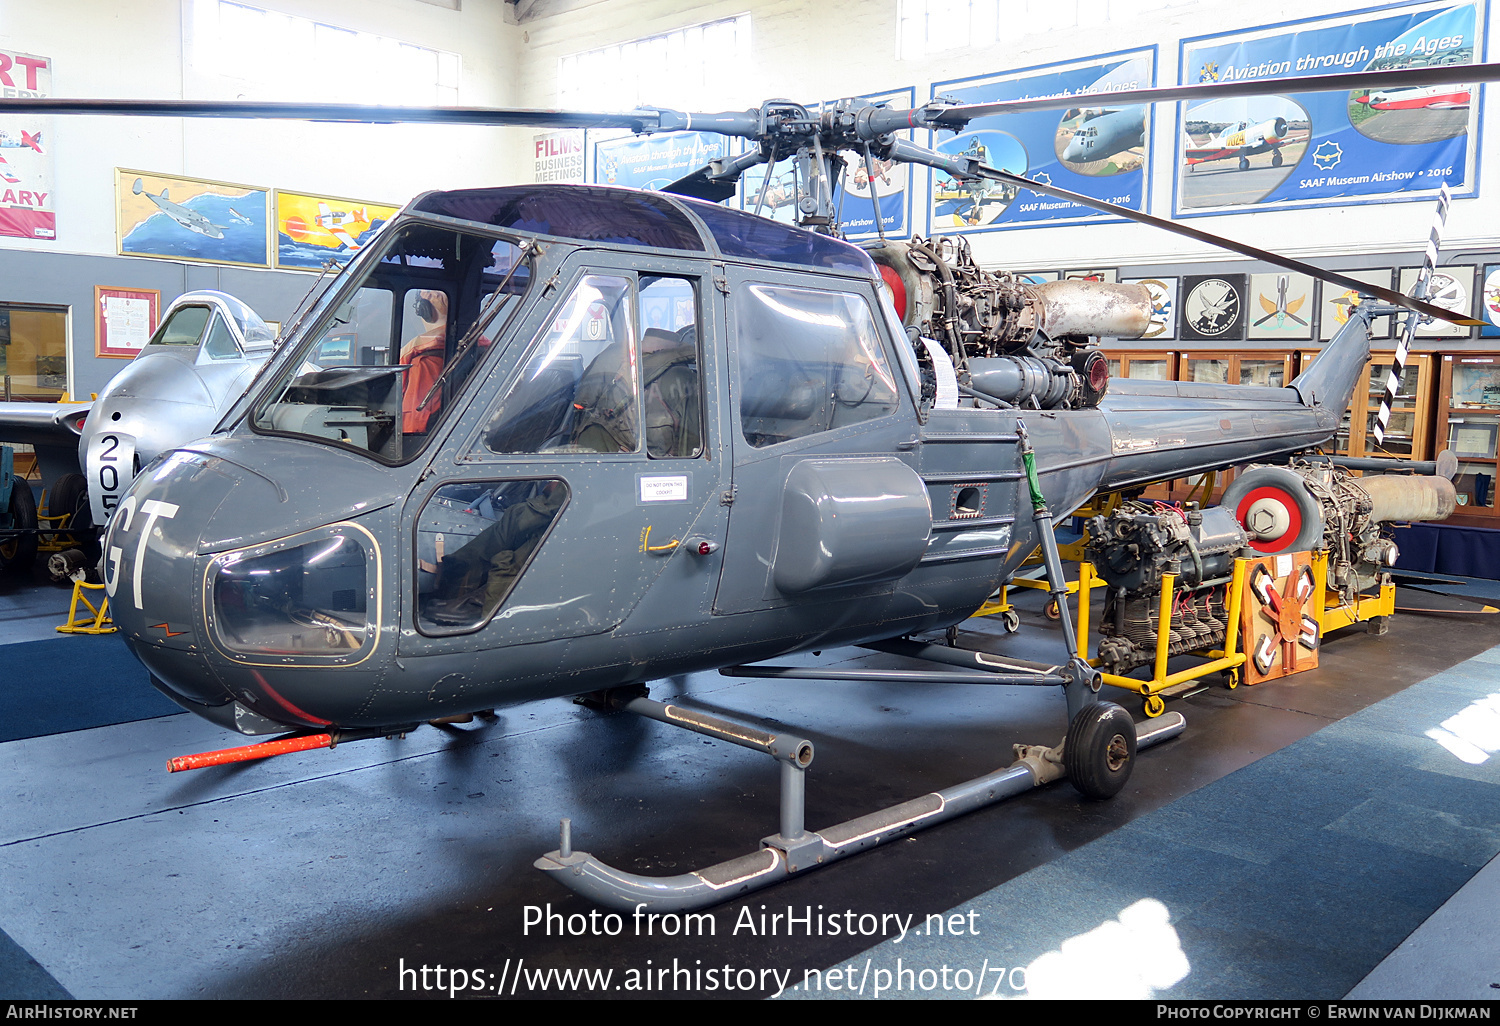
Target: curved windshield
<point x="385" y="364"/>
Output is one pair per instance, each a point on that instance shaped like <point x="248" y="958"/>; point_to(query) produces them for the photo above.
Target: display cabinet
<point x="1272" y="369"/>
<point x="1409" y="433"/>
<point x="1142" y="365"/>
<point x="1468" y="425"/>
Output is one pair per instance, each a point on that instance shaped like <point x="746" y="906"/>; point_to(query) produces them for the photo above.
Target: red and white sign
<point x="26" y="171"/>
<point x="559" y="156"/>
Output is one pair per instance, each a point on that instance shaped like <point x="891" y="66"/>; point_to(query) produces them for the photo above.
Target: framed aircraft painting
<point x="170" y="217"/>
<point x="312" y="230"/>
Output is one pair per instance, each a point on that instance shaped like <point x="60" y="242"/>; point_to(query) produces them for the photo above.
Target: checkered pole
<point x="1419" y="291"/>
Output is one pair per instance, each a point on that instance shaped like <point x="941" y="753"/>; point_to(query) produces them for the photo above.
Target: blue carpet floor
<point x="1356" y="833"/>
<point x="23" y="979"/>
<point x="102" y="684"/>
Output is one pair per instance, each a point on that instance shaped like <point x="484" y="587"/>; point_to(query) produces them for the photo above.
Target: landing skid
<point x="1100" y="751"/>
<point x="1097" y="754"/>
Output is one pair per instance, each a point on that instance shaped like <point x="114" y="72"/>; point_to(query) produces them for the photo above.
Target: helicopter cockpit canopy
<point x="380" y="369"/>
<point x="386" y="357"/>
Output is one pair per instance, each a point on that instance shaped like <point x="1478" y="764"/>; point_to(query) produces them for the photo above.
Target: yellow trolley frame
<point x="1227" y="660"/>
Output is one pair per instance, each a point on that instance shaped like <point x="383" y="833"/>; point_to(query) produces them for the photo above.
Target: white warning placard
<point x="664" y="488"/>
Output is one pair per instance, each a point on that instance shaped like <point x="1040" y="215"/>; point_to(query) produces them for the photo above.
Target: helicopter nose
<point x="150" y="555"/>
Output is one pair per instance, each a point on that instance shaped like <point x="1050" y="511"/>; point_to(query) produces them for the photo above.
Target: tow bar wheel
<point x="1100" y="749"/>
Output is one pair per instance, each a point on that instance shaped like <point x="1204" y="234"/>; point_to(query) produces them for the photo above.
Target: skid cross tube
<point x="781" y="856"/>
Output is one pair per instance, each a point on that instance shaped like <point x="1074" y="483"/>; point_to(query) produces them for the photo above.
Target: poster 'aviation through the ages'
<point x="1278" y="151"/>
<point x="655" y="161"/>
<point x="1094" y="147"/>
<point x="26" y="174"/>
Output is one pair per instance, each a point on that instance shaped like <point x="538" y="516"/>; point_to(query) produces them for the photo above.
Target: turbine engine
<point x="1010" y="342"/>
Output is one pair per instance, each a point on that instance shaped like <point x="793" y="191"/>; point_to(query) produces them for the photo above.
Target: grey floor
<point x="324" y="874"/>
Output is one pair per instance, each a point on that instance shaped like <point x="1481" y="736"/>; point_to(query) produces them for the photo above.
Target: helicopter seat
<point x="669" y="375"/>
<point x="604" y="404"/>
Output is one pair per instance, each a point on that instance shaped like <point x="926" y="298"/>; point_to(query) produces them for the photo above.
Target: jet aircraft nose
<point x="233" y="573"/>
<point x="150" y="555"/>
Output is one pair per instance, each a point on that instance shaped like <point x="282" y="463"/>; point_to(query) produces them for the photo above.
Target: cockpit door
<point x="590" y="462"/>
<point x="826" y="503"/>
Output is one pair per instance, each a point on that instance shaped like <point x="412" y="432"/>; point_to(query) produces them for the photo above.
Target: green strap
<point x="1038" y="503"/>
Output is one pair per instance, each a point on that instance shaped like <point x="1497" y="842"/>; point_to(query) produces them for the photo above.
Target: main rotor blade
<point x="1447" y="74"/>
<point x="699" y="185"/>
<point x="1254" y="252"/>
<point x="635" y="120"/>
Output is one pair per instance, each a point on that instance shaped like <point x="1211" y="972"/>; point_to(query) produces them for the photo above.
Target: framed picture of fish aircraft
<point x="312" y="230"/>
<point x="170" y="217"/>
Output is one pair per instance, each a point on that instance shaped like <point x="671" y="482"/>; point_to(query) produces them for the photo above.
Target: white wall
<point x="819" y="50"/>
<point x="137" y="49"/>
<point x="803" y="50"/>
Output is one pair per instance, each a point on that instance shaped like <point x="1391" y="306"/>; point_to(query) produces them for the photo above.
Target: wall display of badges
<point x="1163" y="306"/>
<point x="1489" y="301"/>
<point x="1096" y="148"/>
<point x="175" y="218"/>
<point x="1213" y="307"/>
<point x="1103" y="274"/>
<point x="1271" y="151"/>
<point x="1333" y="311"/>
<point x="1281" y="306"/>
<point x="1452" y="289"/>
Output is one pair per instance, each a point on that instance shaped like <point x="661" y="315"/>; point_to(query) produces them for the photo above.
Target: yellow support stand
<point x="99" y="622"/>
<point x="1228" y="660"/>
<point x="1365" y="607"/>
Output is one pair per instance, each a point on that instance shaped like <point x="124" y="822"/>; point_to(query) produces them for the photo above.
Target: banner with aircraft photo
<point x="1279" y="151"/>
<point x="885" y="185"/>
<point x="175" y="218"/>
<point x="654" y="161"/>
<point x="1094" y="148"/>
<point x="26" y="171"/>
<point x="312" y="230"/>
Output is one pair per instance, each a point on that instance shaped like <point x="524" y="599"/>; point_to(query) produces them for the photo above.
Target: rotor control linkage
<point x="796" y="849"/>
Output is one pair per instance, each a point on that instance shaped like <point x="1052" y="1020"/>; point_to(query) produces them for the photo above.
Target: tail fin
<point x="1419" y="291"/>
<point x="34" y="141"/>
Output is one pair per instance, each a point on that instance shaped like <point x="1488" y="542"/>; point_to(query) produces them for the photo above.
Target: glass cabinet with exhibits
<point x="1468" y="426"/>
<point x="1409" y="433"/>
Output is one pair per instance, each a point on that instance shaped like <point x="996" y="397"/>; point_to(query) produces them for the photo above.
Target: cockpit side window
<point x="183" y="328"/>
<point x="385" y="365"/>
<point x="810" y="361"/>
<point x="671" y="388"/>
<point x="220" y="344"/>
<point x="577" y="390"/>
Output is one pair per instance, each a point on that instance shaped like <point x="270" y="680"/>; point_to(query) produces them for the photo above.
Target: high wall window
<point x="690" y="68"/>
<point x="935" y="26"/>
<point x="282" y="57"/>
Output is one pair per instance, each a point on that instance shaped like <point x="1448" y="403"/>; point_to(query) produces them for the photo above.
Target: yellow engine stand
<point x="1338" y="614"/>
<point x="1227" y="660"/>
<point x="99" y="622"/>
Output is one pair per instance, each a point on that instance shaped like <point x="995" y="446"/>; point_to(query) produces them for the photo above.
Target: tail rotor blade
<point x="1420" y="291"/>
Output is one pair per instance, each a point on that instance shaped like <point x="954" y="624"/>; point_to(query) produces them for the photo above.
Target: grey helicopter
<point x="550" y="441"/>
